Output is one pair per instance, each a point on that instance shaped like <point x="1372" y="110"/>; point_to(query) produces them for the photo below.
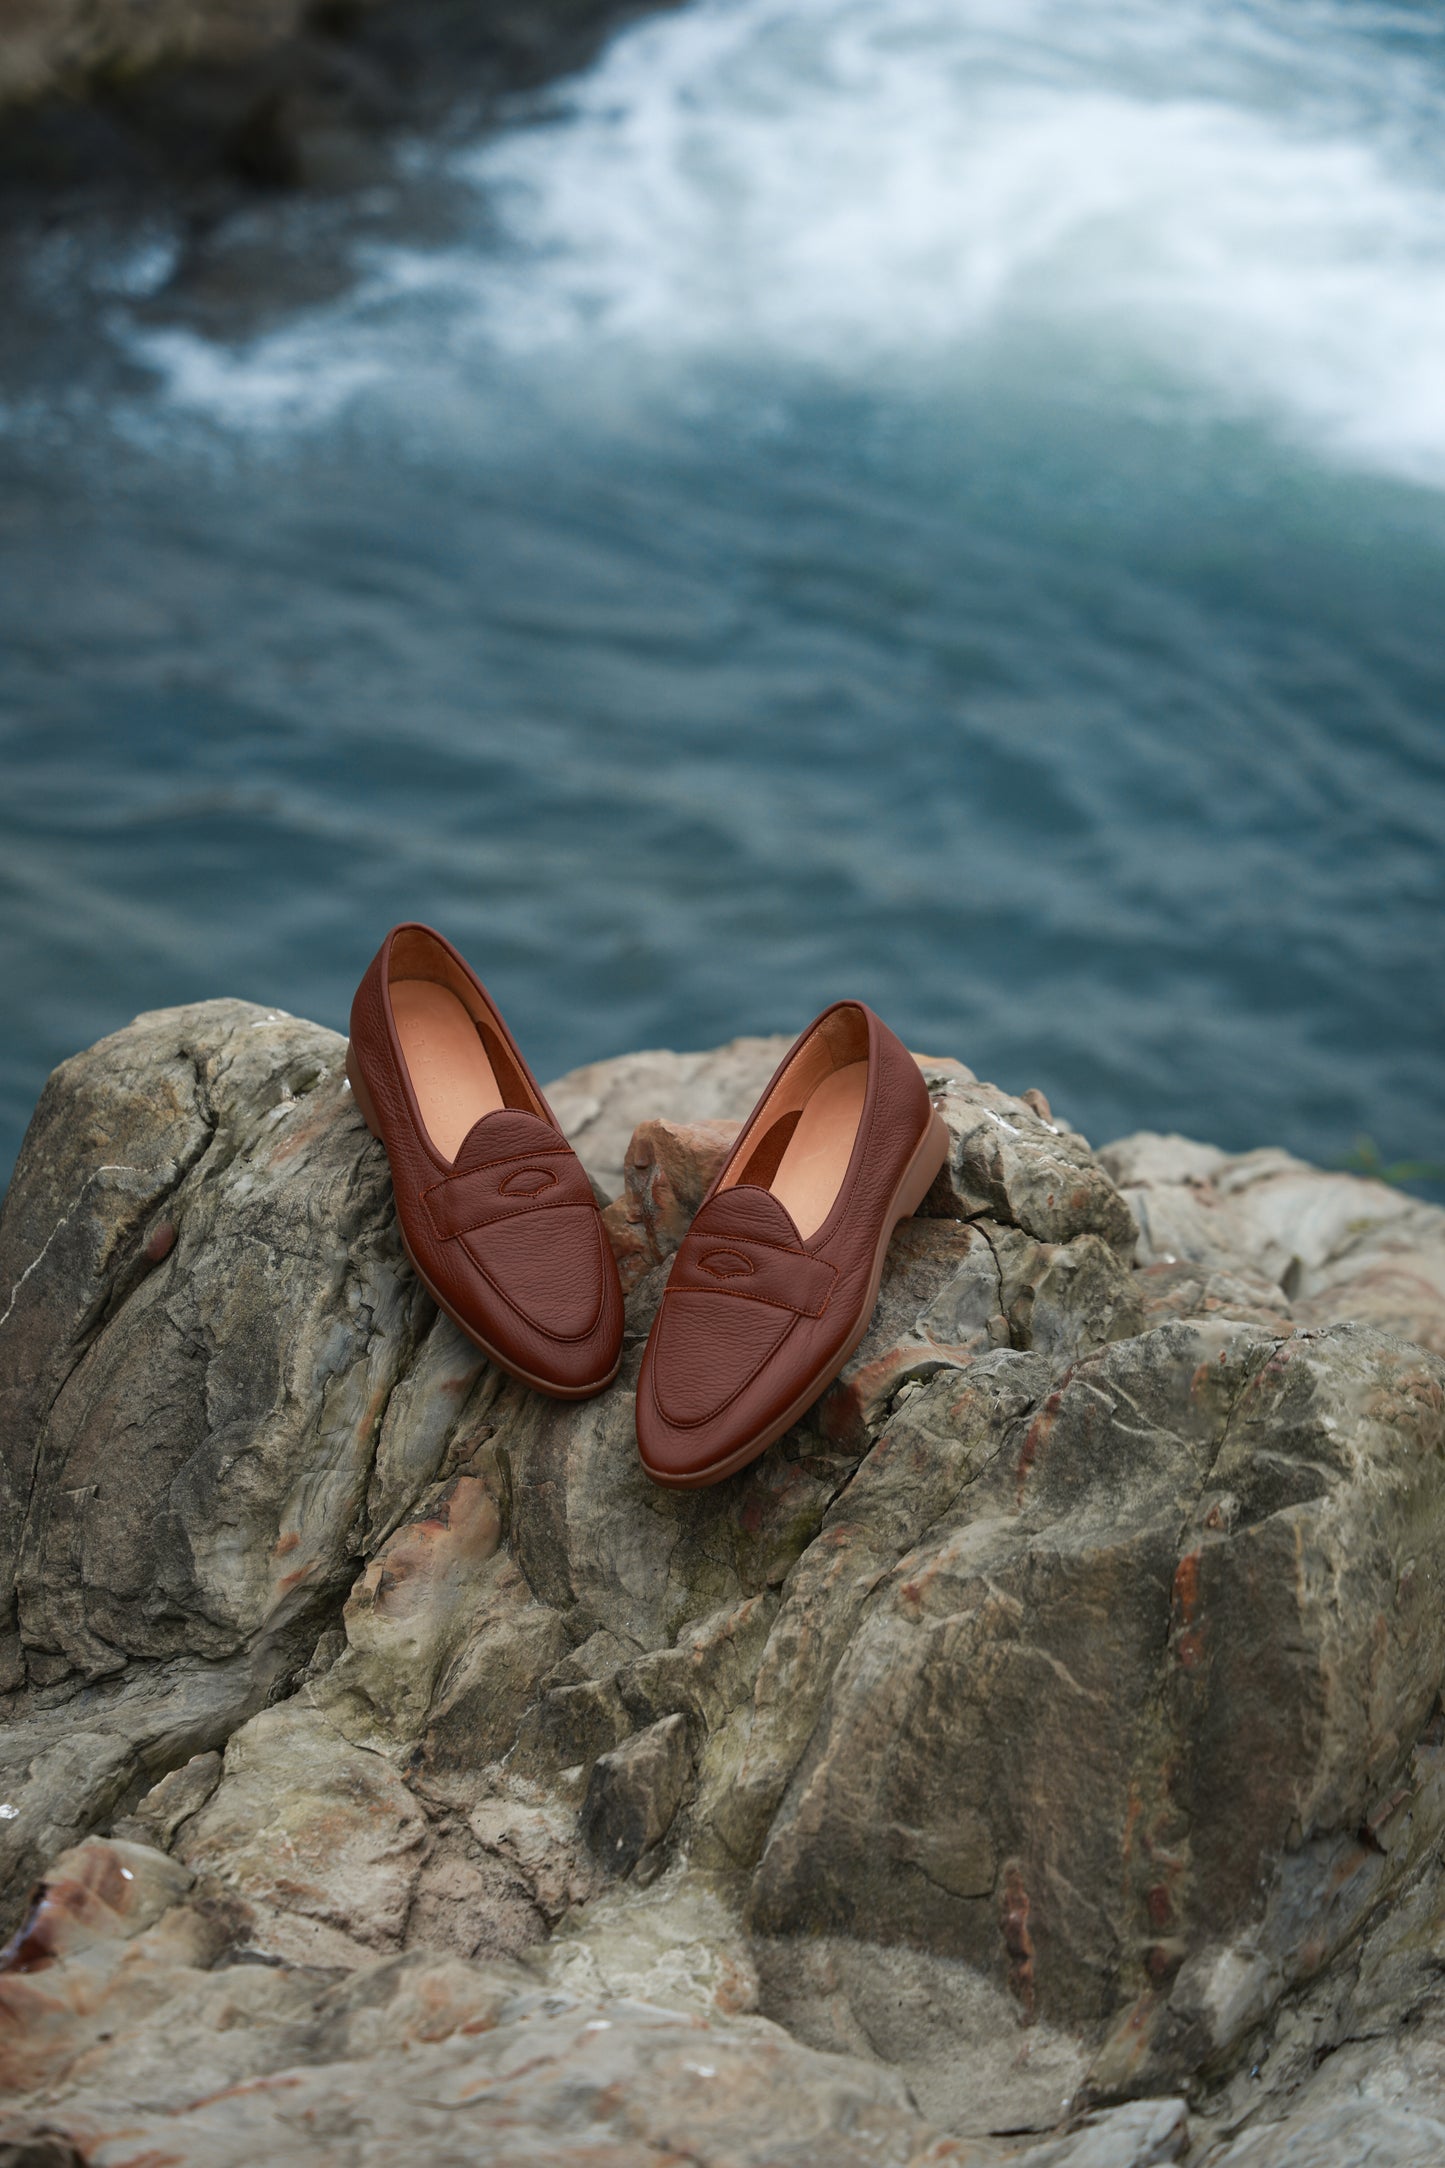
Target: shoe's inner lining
<point x="451" y="1071"/>
<point x="460" y="1059"/>
<point x="811" y="1170"/>
<point x="808" y="1124"/>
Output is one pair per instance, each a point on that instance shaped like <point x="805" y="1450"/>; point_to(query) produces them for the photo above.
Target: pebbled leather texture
<point x="754" y="1320"/>
<point x="507" y="1236"/>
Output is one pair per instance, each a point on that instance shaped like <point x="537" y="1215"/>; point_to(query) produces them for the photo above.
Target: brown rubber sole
<point x="918" y="1179"/>
<point x="367" y="1112"/>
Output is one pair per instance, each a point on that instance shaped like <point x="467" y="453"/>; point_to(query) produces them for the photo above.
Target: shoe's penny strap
<point x="736" y="1264"/>
<point x="530" y="1181"/>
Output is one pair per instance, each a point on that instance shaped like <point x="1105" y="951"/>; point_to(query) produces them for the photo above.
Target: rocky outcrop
<point x="67" y="46"/>
<point x="48" y="45"/>
<point x="1040" y="1738"/>
<point x="199" y="95"/>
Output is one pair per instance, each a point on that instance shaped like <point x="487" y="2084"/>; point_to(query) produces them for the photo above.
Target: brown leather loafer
<point x="496" y="1212"/>
<point x="777" y="1277"/>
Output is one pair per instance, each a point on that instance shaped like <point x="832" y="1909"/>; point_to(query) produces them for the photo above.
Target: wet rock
<point x="64" y="44"/>
<point x="634" y="1792"/>
<point x="197" y="113"/>
<point x="1045" y="1725"/>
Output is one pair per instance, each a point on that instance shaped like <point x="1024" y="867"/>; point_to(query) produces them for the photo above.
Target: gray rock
<point x="142" y="2019"/>
<point x="634" y="1793"/>
<point x="1014" y="1164"/>
<point x="1111" y="1729"/>
<point x="309" y="1825"/>
<point x="1046" y="1727"/>
<point x="143" y="2016"/>
<point x="208" y="1313"/>
<point x="1142" y="2135"/>
<point x="181" y="1793"/>
<point x="1338" y="1248"/>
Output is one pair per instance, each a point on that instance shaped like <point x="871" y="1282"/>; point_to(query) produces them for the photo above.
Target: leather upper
<point x="508" y="1234"/>
<point x="754" y="1319"/>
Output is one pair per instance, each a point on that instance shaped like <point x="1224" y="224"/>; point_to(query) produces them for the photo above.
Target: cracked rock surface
<point x="1037" y="1755"/>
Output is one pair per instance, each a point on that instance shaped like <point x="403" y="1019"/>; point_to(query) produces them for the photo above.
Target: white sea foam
<point x="286" y="378"/>
<point x="1229" y="202"/>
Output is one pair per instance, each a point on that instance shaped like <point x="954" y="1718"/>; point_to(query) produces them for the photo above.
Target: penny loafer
<point x="495" y="1208"/>
<point x="776" y="1280"/>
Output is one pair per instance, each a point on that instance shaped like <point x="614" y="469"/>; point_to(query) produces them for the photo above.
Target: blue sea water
<point x="942" y="500"/>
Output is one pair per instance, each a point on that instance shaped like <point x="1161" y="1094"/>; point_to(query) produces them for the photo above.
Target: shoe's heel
<point x="923" y="1168"/>
<point x="360" y="1093"/>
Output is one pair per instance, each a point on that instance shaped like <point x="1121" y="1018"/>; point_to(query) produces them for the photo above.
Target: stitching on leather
<point x="499" y="1205"/>
<point x="565" y="1339"/>
<point x="768" y="1302"/>
<point x="549" y="1181"/>
<point x="539" y="1151"/>
<point x="761" y="1242"/>
<point x="694" y="1422"/>
<point x="511" y="1211"/>
<point x="721" y="1286"/>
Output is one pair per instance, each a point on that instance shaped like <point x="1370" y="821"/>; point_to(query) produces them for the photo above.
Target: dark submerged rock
<point x="271" y="93"/>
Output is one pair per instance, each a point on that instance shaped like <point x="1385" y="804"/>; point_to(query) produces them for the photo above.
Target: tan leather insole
<point x="453" y="1079"/>
<point x="810" y="1172"/>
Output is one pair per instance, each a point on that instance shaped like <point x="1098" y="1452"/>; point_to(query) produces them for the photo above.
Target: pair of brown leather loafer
<point x="776" y="1280"/>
